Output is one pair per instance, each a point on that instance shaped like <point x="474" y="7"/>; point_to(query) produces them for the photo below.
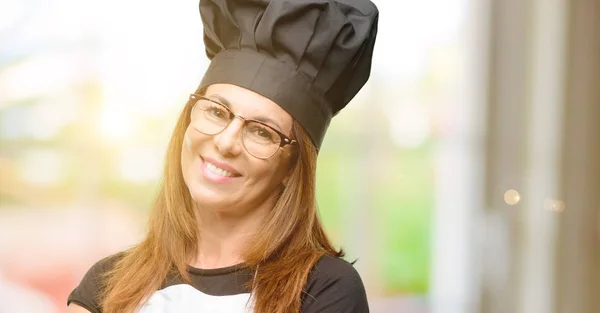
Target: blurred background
<point x="465" y="176"/>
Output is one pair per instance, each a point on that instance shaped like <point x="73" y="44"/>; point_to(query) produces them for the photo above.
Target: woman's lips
<point x="222" y="166"/>
<point x="216" y="174"/>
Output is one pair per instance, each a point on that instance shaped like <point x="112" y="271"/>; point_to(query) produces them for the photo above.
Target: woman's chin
<point x="210" y="198"/>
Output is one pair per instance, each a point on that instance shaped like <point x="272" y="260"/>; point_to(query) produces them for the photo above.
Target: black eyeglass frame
<point x="285" y="140"/>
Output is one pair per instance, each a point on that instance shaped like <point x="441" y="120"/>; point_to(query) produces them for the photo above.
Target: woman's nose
<point x="229" y="140"/>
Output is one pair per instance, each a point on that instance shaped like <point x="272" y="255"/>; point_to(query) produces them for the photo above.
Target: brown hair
<point x="285" y="249"/>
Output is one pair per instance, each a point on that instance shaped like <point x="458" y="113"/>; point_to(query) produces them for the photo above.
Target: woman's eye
<point x="262" y="132"/>
<point x="217" y="112"/>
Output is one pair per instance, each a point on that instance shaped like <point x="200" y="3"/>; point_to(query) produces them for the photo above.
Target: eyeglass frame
<point x="285" y="140"/>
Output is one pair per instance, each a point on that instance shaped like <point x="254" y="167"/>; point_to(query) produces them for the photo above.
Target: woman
<point x="234" y="227"/>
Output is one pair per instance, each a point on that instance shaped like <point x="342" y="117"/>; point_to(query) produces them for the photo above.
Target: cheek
<point x="270" y="174"/>
<point x="192" y="140"/>
<point x="188" y="148"/>
<point x="187" y="141"/>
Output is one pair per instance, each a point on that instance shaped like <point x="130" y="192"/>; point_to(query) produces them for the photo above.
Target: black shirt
<point x="333" y="286"/>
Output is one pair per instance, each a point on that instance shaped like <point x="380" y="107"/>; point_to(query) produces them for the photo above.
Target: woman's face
<point x="219" y="173"/>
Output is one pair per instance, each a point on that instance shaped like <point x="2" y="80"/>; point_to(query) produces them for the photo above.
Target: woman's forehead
<point x="248" y="103"/>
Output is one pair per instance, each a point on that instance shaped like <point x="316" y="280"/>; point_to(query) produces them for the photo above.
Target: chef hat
<point x="310" y="57"/>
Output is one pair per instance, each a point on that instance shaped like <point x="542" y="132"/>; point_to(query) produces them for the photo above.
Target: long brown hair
<point x="284" y="250"/>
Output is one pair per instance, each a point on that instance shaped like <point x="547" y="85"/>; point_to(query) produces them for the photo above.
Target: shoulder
<point x="95" y="273"/>
<point x="334" y="285"/>
<point x="105" y="264"/>
<point x="86" y="293"/>
<point x="330" y="267"/>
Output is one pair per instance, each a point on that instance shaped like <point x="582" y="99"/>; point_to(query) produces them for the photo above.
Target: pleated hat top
<point x="311" y="57"/>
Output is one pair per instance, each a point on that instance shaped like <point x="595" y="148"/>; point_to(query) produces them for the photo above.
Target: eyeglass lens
<point x="212" y="118"/>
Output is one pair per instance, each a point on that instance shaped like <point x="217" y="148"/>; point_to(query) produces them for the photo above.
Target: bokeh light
<point x="512" y="197"/>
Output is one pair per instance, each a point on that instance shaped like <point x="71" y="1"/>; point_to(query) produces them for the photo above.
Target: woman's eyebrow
<point x="267" y="120"/>
<point x="220" y="99"/>
<point x="260" y="118"/>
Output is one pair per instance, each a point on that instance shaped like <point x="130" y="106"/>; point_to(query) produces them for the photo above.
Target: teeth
<point x="217" y="170"/>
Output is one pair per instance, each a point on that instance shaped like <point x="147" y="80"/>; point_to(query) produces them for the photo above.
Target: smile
<point x="217" y="170"/>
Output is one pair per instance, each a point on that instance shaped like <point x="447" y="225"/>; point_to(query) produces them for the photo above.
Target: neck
<point x="224" y="235"/>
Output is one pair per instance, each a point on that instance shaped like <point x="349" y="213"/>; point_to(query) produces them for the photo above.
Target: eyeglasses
<point x="259" y="139"/>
